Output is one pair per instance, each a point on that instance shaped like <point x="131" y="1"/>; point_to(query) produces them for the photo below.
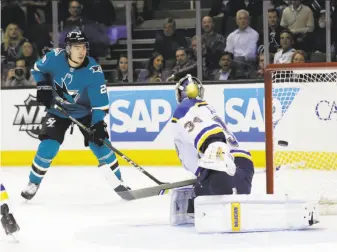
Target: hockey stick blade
<point x="153" y="191"/>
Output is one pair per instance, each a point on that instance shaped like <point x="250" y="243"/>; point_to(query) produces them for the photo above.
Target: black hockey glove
<point x="99" y="133"/>
<point x="44" y="93"/>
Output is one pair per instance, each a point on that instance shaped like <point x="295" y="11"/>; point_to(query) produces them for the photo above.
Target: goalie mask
<point x="189" y="87"/>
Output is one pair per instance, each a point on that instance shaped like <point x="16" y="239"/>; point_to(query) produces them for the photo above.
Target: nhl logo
<point x="29" y="116"/>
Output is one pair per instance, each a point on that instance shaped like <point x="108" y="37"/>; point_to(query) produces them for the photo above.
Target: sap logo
<point x="326" y="110"/>
<point x="141" y="115"/>
<point x="244" y="113"/>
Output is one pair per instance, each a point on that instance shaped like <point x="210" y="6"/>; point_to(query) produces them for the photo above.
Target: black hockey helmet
<point x="75" y="37"/>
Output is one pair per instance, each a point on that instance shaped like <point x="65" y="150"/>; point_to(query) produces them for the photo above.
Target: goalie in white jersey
<point x="205" y="145"/>
<point x="220" y="200"/>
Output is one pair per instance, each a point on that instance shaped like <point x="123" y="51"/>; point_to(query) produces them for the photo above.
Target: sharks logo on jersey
<point x="96" y="69"/>
<point x="62" y="89"/>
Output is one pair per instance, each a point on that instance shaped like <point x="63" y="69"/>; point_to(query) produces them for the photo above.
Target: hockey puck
<point x="282" y="143"/>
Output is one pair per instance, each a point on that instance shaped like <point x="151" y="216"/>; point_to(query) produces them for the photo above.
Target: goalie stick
<point x="154" y="191"/>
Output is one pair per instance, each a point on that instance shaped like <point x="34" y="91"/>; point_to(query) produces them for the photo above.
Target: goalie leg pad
<point x="179" y="205"/>
<point x="251" y="213"/>
<point x="218" y="157"/>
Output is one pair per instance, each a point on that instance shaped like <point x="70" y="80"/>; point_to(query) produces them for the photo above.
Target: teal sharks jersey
<point x="83" y="89"/>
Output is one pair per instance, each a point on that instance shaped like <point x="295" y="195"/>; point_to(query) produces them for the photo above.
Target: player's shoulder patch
<point x="57" y="51"/>
<point x="96" y="69"/>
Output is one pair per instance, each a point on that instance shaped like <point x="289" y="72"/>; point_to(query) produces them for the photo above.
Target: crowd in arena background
<point x="232" y="40"/>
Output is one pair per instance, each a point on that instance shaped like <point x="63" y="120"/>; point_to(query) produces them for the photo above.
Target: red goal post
<point x="287" y="74"/>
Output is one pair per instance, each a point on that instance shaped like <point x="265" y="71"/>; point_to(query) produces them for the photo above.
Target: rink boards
<point x="139" y="122"/>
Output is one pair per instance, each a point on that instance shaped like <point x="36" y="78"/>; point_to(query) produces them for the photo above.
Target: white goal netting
<point x="305" y="133"/>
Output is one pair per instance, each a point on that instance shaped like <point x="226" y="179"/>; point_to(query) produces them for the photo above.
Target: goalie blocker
<point x="241" y="213"/>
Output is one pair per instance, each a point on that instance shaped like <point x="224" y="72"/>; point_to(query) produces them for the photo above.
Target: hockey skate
<point x="7" y="220"/>
<point x="122" y="187"/>
<point x="30" y="191"/>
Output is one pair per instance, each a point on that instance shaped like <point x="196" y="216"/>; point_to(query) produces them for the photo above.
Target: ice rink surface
<point x="76" y="210"/>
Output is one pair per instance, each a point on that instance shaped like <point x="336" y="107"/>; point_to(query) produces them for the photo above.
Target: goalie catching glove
<point x="217" y="157"/>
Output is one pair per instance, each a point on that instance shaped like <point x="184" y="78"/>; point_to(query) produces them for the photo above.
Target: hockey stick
<point x="107" y="144"/>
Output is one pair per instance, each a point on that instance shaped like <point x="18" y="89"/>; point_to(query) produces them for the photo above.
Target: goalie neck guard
<point x="189" y="87"/>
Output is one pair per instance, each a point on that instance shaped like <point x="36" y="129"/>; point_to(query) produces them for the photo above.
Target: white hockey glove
<point x="218" y="157"/>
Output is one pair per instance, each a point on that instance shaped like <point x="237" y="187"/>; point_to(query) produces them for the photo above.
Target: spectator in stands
<point x="12" y="42"/>
<point x="168" y="40"/>
<point x="259" y="74"/>
<point x="318" y="38"/>
<point x="206" y="58"/>
<point x="226" y="71"/>
<point x="299" y="56"/>
<point x="155" y="71"/>
<point x="96" y="33"/>
<point x="243" y="41"/>
<point x="299" y="19"/>
<point x="260" y="71"/>
<point x="29" y="54"/>
<point x="36" y="14"/>
<point x="11" y="13"/>
<point x="274" y="30"/>
<point x="35" y="11"/>
<point x="215" y="42"/>
<point x="20" y="75"/>
<point x="75" y="20"/>
<point x="182" y="61"/>
<point x="122" y="70"/>
<point x="285" y="54"/>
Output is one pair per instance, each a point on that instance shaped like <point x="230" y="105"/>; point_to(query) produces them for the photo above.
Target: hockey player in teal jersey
<point x="76" y="78"/>
<point x="7" y="219"/>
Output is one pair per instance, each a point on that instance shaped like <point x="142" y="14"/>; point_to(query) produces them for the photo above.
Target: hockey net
<point x="301" y="132"/>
